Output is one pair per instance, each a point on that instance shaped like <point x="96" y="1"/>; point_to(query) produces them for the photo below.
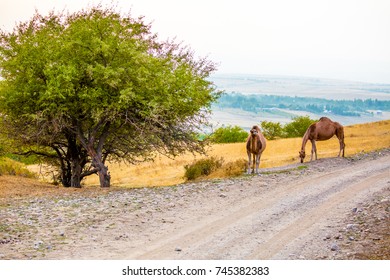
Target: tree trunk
<point x="66" y="175"/>
<point x="75" y="180"/>
<point x="96" y="153"/>
<point x="77" y="159"/>
<point x="66" y="171"/>
<point x="104" y="175"/>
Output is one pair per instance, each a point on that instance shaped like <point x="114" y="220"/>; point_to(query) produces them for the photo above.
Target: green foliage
<point x="229" y="134"/>
<point x="271" y="130"/>
<point x="2" y="149"/>
<point x="298" y="126"/>
<point x="202" y="167"/>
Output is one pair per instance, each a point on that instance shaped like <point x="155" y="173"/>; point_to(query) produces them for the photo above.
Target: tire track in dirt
<point x="266" y="224"/>
<point x="285" y="236"/>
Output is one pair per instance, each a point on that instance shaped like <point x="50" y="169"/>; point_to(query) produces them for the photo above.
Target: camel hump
<point x="335" y="124"/>
<point x="325" y="119"/>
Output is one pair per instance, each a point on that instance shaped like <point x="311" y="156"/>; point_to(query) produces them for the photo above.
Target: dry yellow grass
<point x="164" y="171"/>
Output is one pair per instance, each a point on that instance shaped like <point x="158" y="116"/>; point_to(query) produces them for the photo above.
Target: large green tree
<point x="84" y="87"/>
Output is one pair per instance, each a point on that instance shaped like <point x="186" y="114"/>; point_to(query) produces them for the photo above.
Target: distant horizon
<point x="217" y="73"/>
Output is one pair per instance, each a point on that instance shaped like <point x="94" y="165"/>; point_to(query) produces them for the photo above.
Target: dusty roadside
<point x="333" y="208"/>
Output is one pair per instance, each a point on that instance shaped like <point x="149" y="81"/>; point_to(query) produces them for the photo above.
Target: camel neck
<point x="254" y="142"/>
<point x="304" y="140"/>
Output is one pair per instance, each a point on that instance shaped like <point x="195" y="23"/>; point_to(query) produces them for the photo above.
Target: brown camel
<point x="324" y="129"/>
<point x="255" y="145"/>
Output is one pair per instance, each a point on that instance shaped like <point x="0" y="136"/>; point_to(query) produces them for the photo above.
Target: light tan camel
<point x="324" y="129"/>
<point x="255" y="145"/>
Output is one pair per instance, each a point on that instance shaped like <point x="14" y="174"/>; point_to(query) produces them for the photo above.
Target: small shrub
<point x="202" y="167"/>
<point x="215" y="167"/>
<point x="235" y="168"/>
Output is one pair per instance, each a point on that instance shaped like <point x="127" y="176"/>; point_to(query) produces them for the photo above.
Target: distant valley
<point x="301" y="86"/>
<point x="250" y="99"/>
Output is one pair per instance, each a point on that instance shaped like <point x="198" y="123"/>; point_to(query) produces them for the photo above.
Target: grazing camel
<point x="324" y="129"/>
<point x="255" y="145"/>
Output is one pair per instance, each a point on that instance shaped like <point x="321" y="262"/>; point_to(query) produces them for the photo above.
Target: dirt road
<point x="295" y="212"/>
<point x="277" y="223"/>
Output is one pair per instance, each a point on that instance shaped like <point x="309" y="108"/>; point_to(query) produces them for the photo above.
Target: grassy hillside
<point x="12" y="167"/>
<point x="163" y="171"/>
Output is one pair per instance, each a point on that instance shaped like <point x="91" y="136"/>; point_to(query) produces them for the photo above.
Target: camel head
<point x="302" y="155"/>
<point x="254" y="131"/>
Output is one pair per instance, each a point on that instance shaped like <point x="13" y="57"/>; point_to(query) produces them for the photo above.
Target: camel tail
<point x="340" y="135"/>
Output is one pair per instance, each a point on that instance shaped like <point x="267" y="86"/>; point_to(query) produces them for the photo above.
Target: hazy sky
<point x="342" y="39"/>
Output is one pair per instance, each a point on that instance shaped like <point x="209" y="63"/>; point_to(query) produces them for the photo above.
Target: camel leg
<point x="253" y="163"/>
<point x="342" y="147"/>
<point x="313" y="150"/>
<point x="257" y="163"/>
<point x="340" y="136"/>
<point x="248" y="171"/>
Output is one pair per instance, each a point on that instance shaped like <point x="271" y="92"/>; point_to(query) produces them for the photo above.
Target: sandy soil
<point x="334" y="208"/>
